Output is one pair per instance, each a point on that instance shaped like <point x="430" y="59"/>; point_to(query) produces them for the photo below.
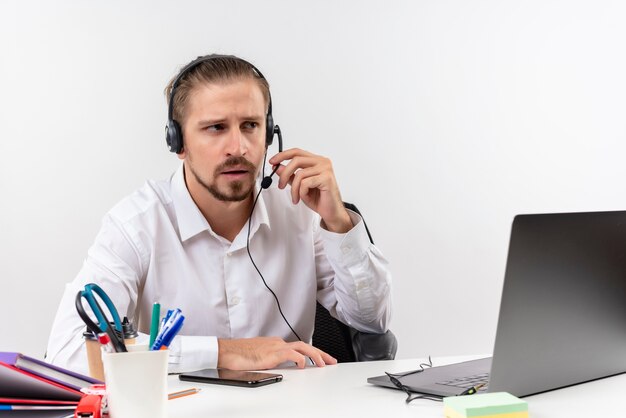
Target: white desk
<point x="343" y="391"/>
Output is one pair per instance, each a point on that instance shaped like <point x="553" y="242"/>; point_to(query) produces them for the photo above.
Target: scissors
<point x="103" y="326"/>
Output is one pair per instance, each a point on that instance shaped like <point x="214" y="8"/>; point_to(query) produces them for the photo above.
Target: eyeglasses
<point x="394" y="378"/>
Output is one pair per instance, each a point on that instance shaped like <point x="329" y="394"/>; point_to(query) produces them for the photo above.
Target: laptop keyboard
<point x="469" y="381"/>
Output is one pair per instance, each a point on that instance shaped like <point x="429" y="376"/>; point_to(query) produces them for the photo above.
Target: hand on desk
<point x="267" y="353"/>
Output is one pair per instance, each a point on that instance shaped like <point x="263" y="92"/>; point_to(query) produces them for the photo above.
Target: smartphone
<point x="231" y="377"/>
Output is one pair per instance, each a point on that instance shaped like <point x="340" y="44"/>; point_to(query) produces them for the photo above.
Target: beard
<point x="236" y="191"/>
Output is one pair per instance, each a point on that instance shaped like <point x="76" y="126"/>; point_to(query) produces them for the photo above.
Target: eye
<point x="215" y="128"/>
<point x="250" y="125"/>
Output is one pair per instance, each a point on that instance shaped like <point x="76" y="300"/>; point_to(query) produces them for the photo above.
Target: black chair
<point x="345" y="343"/>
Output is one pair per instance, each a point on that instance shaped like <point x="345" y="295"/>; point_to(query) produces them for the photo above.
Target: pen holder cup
<point x="136" y="382"/>
<point x="94" y="355"/>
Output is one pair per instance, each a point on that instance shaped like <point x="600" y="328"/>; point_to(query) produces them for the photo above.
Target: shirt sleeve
<point x="191" y="352"/>
<point x="117" y="262"/>
<point x="354" y="282"/>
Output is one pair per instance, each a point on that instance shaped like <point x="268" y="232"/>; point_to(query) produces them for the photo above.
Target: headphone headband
<point x="173" y="130"/>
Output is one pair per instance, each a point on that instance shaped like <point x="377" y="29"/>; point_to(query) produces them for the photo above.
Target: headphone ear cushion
<point x="174" y="137"/>
<point x="269" y="130"/>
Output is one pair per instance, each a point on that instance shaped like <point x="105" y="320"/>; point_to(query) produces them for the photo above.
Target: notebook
<point x="562" y="314"/>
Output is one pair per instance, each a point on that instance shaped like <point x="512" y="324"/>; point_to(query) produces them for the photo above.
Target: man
<point x="183" y="242"/>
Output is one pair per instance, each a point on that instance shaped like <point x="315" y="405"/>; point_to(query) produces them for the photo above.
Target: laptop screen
<point x="563" y="310"/>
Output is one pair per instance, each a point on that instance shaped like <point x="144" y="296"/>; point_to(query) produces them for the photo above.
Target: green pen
<point x="154" y="323"/>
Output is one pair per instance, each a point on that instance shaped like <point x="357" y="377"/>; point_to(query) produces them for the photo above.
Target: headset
<point x="174" y="132"/>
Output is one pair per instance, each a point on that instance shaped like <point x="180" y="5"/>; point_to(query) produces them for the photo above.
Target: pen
<point x="182" y="393"/>
<point x="167" y="317"/>
<point x="472" y="390"/>
<point x="172" y="317"/>
<point x="167" y="334"/>
<point x="154" y="323"/>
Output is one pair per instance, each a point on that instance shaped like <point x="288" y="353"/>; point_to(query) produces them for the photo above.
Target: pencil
<point x="182" y="393"/>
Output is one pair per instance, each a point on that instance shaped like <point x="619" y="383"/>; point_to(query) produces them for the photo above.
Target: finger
<point x="294" y="165"/>
<point x="319" y="358"/>
<point x="328" y="359"/>
<point x="316" y="360"/>
<point x="288" y="155"/>
<point x="295" y="356"/>
<point x="310" y="352"/>
<point x="283" y="178"/>
<point x="308" y="349"/>
<point x="309" y="183"/>
<point x="323" y="358"/>
<point x="297" y="179"/>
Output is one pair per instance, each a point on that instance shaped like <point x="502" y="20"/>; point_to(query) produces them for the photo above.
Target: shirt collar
<point x="191" y="221"/>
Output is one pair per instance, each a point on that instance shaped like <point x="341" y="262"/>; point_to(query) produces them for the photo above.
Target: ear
<point x="181" y="155"/>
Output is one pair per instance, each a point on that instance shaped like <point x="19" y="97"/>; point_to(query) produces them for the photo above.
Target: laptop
<point x="562" y="314"/>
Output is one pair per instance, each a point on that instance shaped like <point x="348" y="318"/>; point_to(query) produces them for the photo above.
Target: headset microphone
<point x="267" y="180"/>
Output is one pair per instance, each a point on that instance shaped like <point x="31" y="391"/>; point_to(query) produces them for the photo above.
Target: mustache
<point x="234" y="162"/>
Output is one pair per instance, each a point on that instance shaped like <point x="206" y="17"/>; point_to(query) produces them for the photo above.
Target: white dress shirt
<point x="156" y="246"/>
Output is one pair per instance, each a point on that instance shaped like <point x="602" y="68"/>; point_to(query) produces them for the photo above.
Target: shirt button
<point x="229" y="254"/>
<point x="346" y="249"/>
<point x="235" y="301"/>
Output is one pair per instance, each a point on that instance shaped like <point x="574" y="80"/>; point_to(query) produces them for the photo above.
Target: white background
<point x="443" y="119"/>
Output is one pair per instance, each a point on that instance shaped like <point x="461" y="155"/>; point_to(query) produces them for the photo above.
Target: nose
<point x="237" y="145"/>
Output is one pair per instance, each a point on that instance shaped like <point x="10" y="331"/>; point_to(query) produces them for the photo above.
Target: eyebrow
<point x="208" y="122"/>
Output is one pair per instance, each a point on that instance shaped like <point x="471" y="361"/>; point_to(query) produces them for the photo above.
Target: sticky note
<point x="485" y="405"/>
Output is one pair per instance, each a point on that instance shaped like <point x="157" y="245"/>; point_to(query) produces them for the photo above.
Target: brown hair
<point x="214" y="69"/>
